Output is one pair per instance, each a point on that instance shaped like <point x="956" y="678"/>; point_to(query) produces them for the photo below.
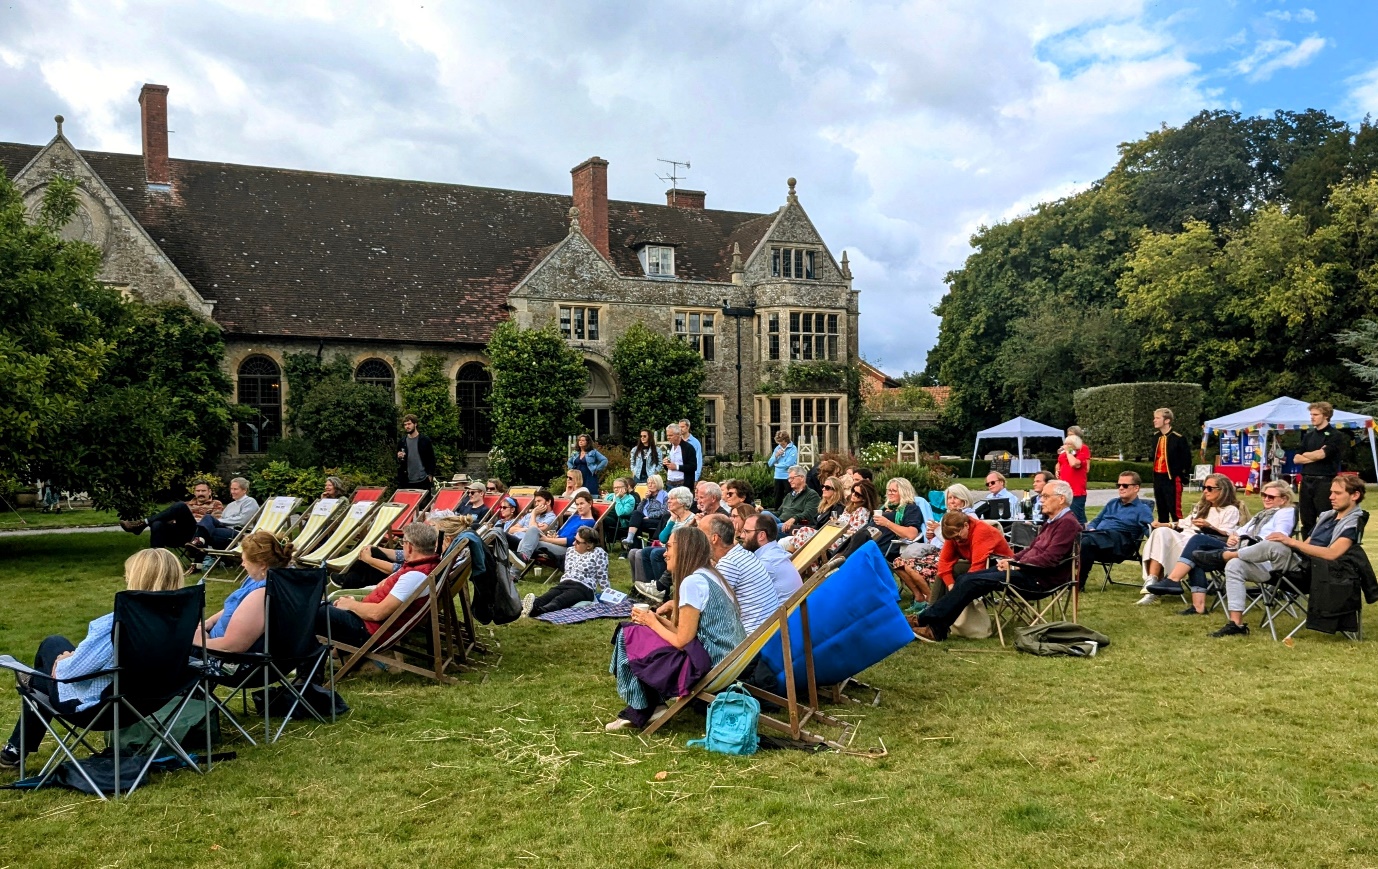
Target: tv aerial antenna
<point x="673" y="177"/>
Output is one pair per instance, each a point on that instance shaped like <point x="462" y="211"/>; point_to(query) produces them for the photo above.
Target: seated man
<point x="750" y="583"/>
<point x="353" y="621"/>
<point x="216" y="533"/>
<point x="996" y="491"/>
<point x="759" y="535"/>
<point x="1031" y="507"/>
<point x="1336" y="531"/>
<point x="800" y="504"/>
<point x="708" y="499"/>
<point x="472" y="503"/>
<point x="1114" y="535"/>
<point x="176" y="525"/>
<point x="1040" y="568"/>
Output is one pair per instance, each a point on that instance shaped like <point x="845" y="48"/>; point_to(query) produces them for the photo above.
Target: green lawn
<point x="1168" y="749"/>
<point x="27" y="518"/>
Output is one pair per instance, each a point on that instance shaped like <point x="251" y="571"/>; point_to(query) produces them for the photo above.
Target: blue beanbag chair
<point x="853" y="621"/>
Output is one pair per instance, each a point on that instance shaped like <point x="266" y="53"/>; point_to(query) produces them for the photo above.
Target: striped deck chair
<point x="368" y="493"/>
<point x="815" y="551"/>
<point x="802" y="716"/>
<point x="514" y="491"/>
<point x="384" y="517"/>
<point x="354" y="520"/>
<point x="272" y="517"/>
<point x="642" y="490"/>
<point x="319" y="520"/>
<point x="412" y="638"/>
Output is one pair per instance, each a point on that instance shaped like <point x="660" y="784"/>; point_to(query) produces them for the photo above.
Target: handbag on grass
<point x="974" y="623"/>
<point x="731" y="726"/>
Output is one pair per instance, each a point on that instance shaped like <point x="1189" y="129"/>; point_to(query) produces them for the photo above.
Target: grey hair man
<point x="800" y="504"/>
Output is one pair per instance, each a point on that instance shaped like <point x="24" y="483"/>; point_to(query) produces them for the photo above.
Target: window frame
<point x="708" y="349"/>
<point x="661" y="253"/>
<point x="782" y="335"/>
<point x="476" y="420"/>
<point x="566" y="326"/>
<point x="373" y="380"/>
<point x="776" y="412"/>
<point x="243" y="436"/>
<point x="795" y="263"/>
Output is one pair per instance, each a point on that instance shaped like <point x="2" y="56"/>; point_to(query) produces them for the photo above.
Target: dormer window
<point x="792" y="262"/>
<point x="658" y="260"/>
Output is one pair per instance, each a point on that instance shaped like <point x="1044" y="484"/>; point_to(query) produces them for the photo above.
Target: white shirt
<point x="782" y="571"/>
<point x="676" y="457"/>
<point x="408" y="583"/>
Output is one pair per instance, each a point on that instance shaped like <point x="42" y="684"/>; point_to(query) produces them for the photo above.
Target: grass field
<point x="26" y="518"/>
<point x="1168" y="749"/>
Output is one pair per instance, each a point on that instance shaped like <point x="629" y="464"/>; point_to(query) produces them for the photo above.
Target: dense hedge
<point x="1118" y="418"/>
<point x="924" y="478"/>
<point x="1108" y="471"/>
<point x="760" y="475"/>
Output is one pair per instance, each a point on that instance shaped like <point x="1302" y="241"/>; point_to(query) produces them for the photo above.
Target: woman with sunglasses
<point x="645" y="457"/>
<point x="1205" y="552"/>
<point x="1218" y="513"/>
<point x="830" y="506"/>
<point x="506" y="514"/>
<point x="585" y="577"/>
<point x="862" y="501"/>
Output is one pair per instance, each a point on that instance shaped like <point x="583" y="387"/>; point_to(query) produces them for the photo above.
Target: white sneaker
<point x="616" y="724"/>
<point x="515" y="560"/>
<point x="659" y="712"/>
<point x="650" y="591"/>
<point x="527" y="603"/>
<point x="1147" y="599"/>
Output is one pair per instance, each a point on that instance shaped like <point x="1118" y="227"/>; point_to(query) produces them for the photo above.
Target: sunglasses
<point x="492" y="491"/>
<point x="825" y="488"/>
<point x="1269" y="496"/>
<point x="990" y="483"/>
<point x="1125" y="485"/>
<point x="1210" y="488"/>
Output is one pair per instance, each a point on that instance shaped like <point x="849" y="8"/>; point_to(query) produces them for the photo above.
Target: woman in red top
<point x="1073" y="461"/>
<point x="964" y="539"/>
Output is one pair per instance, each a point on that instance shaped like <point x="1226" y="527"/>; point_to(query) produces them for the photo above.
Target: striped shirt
<point x="752" y="585"/>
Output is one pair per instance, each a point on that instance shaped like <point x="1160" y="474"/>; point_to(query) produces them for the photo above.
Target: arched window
<point x="473" y="392"/>
<point x="260" y="387"/>
<point x="375" y="372"/>
<point x="596" y="418"/>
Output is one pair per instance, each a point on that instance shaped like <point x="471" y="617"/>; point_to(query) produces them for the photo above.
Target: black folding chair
<point x="1132" y="553"/>
<point x="291" y="599"/>
<point x="154" y="638"/>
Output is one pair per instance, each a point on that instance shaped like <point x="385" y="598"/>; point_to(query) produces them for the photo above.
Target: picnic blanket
<point x="582" y="613"/>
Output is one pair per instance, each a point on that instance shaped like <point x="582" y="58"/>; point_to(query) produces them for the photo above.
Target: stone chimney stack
<point x="153" y="105"/>
<point x="591" y="198"/>
<point x="690" y="199"/>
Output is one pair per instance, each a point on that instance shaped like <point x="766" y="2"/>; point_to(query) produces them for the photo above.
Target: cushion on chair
<point x="853" y="621"/>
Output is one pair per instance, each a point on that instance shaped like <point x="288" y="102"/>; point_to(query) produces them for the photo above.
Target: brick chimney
<point x="591" y="198"/>
<point x="692" y="199"/>
<point x="153" y="105"/>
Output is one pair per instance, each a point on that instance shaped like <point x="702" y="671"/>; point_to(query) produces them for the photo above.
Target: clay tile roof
<point x="285" y="252"/>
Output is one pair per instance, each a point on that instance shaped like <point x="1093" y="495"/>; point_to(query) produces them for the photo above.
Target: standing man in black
<point x="1171" y="466"/>
<point x="1319" y="458"/>
<point x="415" y="457"/>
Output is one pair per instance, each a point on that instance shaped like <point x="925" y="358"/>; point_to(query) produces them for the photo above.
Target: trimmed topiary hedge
<point x="1118" y="418"/>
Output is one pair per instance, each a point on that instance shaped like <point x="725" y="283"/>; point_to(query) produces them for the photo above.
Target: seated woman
<point x="458" y="530"/>
<point x="506" y="518"/>
<point x="146" y="570"/>
<point x="585" y="577"/>
<point x="966" y="542"/>
<point x="830" y="506"/>
<point x="618" y="516"/>
<point x="862" y="502"/>
<point x="1205" y="552"/>
<point x="587" y="462"/>
<point x="554" y="543"/>
<point x="574" y="484"/>
<point x="920" y="568"/>
<point x="650" y="514"/>
<point x="238" y="627"/>
<point x="661" y="655"/>
<point x="1219" y="512"/>
<point x="334" y="488"/>
<point x="904" y="519"/>
<point x="1337" y="529"/>
<point x="541" y="515"/>
<point x="648" y="564"/>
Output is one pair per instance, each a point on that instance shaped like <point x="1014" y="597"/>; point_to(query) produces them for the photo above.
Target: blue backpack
<point x="731" y="726"/>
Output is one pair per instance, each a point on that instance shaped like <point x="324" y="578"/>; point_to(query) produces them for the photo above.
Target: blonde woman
<point x="146" y="570"/>
<point x="238" y="627"/>
<point x="1219" y="512"/>
<point x="830" y="506"/>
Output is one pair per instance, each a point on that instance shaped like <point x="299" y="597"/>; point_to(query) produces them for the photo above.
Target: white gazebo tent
<point x="1279" y="415"/>
<point x="1018" y="428"/>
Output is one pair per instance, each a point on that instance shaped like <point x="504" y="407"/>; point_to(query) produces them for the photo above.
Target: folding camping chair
<point x="1012" y="606"/>
<point x="320" y="519"/>
<point x="154" y="641"/>
<point x="802" y="716"/>
<point x="273" y="517"/>
<point x="815" y="550"/>
<point x="292" y="596"/>
<point x="937" y="499"/>
<point x="354" y="520"/>
<point x="1134" y="554"/>
<point x="1288" y="594"/>
<point x="391" y="645"/>
<point x="384" y="518"/>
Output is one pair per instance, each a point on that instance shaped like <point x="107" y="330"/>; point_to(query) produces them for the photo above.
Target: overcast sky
<point x="908" y="124"/>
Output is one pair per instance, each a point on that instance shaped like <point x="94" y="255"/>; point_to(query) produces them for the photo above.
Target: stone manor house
<point x="384" y="270"/>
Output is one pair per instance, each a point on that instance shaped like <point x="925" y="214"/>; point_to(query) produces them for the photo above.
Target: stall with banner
<point x="1248" y="438"/>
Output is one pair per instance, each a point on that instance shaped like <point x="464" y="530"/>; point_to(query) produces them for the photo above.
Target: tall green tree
<point x="659" y="379"/>
<point x="537" y="384"/>
<point x="428" y="393"/>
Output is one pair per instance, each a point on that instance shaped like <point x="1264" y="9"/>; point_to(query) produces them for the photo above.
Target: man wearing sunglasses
<point x="1115" y="533"/>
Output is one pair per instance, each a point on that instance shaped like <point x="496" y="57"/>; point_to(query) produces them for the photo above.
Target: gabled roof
<point x="291" y="253"/>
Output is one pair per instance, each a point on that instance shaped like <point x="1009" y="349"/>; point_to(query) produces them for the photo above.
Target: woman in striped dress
<point x="663" y="654"/>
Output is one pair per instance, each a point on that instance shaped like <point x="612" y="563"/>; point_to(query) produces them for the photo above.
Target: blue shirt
<point x="573" y="524"/>
<point x="248" y="587"/>
<point x="698" y="451"/>
<point x="1132" y="518"/>
<point x="96" y="652"/>
<point x="788" y="459"/>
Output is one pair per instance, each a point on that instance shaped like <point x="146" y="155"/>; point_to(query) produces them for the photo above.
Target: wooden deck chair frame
<point x="354" y="520"/>
<point x="273" y="516"/>
<point x="384" y="516"/>
<point x="815" y="549"/>
<point x="516" y="491"/>
<point x="802" y="716"/>
<point x="320" y="522"/>
<point x="388" y="644"/>
<point x="1012" y="606"/>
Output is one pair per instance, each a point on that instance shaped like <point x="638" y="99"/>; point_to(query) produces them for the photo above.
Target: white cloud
<point x="1271" y="55"/>
<point x="909" y="123"/>
<point x="1304" y="16"/>
<point x="1363" y="93"/>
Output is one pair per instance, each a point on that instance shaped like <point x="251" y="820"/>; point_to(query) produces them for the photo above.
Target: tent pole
<point x="1020" y="458"/>
<point x="975" y="449"/>
<point x="1373" y="451"/>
